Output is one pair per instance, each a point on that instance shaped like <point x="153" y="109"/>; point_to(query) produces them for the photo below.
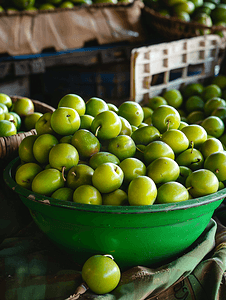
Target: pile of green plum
<point x="96" y="153"/>
<point x="35" y="5"/>
<point x="17" y="116"/>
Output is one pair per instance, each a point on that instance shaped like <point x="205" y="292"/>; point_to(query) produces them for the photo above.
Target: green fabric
<point x="31" y="267"/>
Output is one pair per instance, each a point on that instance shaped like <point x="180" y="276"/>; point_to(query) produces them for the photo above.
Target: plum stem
<point x="217" y="170"/>
<point x="190" y="187"/>
<point x="168" y="125"/>
<point x="98" y="128"/>
<point x="63" y="169"/>
<point x="73" y="173"/>
<point x="140" y="150"/>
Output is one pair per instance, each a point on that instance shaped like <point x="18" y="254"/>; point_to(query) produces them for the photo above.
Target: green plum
<point x="47" y="181"/>
<point x="30" y="120"/>
<point x="196" y="134"/>
<point x="191" y="158"/>
<point x="192" y="89"/>
<point x="132" y="168"/>
<point x="195" y="117"/>
<point x="122" y="146"/>
<point x="2" y="114"/>
<point x="23" y="107"/>
<point x="147" y="112"/>
<point x="202" y="182"/>
<point x="112" y="107"/>
<point x="79" y="175"/>
<point x="107" y="177"/>
<point x="26" y="173"/>
<point x="63" y="156"/>
<point x="95" y="105"/>
<point x="132" y="112"/>
<point x="86" y="121"/>
<point x="142" y="191"/>
<point x="102" y="157"/>
<point x="182" y="125"/>
<point x="166" y="117"/>
<point x="43" y="125"/>
<point x="212" y="104"/>
<point x="156" y="101"/>
<point x="4" y="107"/>
<point x="171" y="192"/>
<point x="106" y="125"/>
<point x="211" y="91"/>
<point x="115" y="198"/>
<point x="66" y="139"/>
<point x="145" y="135"/>
<point x="163" y="169"/>
<point x="126" y="128"/>
<point x="64" y="193"/>
<point x="216" y="162"/>
<point x="25" y="149"/>
<point x="214" y="126"/>
<point x="101" y="274"/>
<point x="210" y="146"/>
<point x="5" y="99"/>
<point x="173" y="97"/>
<point x="184" y="172"/>
<point x="86" y="143"/>
<point x="220" y="112"/>
<point x="194" y="103"/>
<point x="176" y="139"/>
<point x="7" y="128"/>
<point x="157" y="149"/>
<point x="65" y="120"/>
<point x="18" y="120"/>
<point x="42" y="146"/>
<point x="73" y="101"/>
<point x="87" y="194"/>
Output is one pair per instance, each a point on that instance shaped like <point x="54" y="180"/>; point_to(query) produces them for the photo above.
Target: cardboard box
<point x="30" y="32"/>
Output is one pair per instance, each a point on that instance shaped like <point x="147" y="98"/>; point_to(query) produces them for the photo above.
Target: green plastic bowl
<point x="133" y="235"/>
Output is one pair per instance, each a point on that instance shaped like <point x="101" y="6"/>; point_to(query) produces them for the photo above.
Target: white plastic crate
<point x="157" y="68"/>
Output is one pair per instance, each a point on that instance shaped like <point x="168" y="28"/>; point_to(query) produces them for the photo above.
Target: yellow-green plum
<point x="184" y="172"/>
<point x="101" y="274"/>
<point x="23" y="107"/>
<point x="2" y="114"/>
<point x="107" y="177"/>
<point x="163" y="169"/>
<point x="87" y="194"/>
<point x="25" y="149"/>
<point x="192" y="89"/>
<point x="157" y="149"/>
<point x="63" y="156"/>
<point x="211" y="91"/>
<point x="7" y="128"/>
<point x="86" y="143"/>
<point x="64" y="193"/>
<point x="30" y="120"/>
<point x="73" y="101"/>
<point x="176" y="139"/>
<point x="112" y="107"/>
<point x="115" y="198"/>
<point x="191" y="158"/>
<point x="166" y="117"/>
<point x="212" y="104"/>
<point x="122" y="146"/>
<point x="132" y="168"/>
<point x="43" y="125"/>
<point x="106" y="125"/>
<point x="202" y="182"/>
<point x="26" y="173"/>
<point x="214" y="126"/>
<point x="86" y="121"/>
<point x="102" y="157"/>
<point x="65" y="121"/>
<point x="171" y="192"/>
<point x="95" y="105"/>
<point x="5" y="99"/>
<point x="126" y="128"/>
<point x="145" y="135"/>
<point x="194" y="103"/>
<point x="66" y="139"/>
<point x="210" y="146"/>
<point x="42" y="146"/>
<point x="173" y="97"/>
<point x="79" y="175"/>
<point x="47" y="181"/>
<point x="142" y="191"/>
<point x="4" y="107"/>
<point x="132" y="112"/>
<point x="196" y="134"/>
<point x="156" y="101"/>
<point x="216" y="162"/>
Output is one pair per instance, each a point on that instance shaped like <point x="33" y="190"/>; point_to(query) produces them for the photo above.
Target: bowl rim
<point x="110" y="209"/>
